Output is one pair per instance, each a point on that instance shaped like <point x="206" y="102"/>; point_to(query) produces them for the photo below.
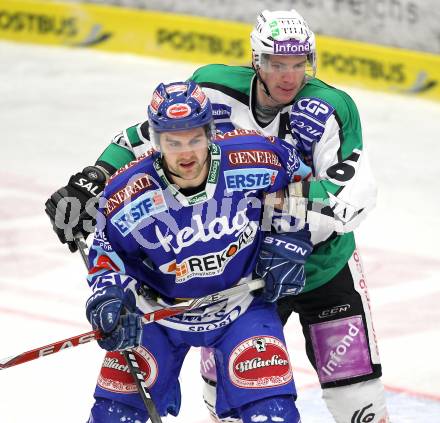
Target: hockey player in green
<point x="280" y="95"/>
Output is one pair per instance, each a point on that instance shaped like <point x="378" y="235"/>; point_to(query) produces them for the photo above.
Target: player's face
<point x="185" y="154"/>
<point x="284" y="77"/>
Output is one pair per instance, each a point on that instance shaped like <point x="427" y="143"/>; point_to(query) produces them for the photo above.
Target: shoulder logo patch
<point x="315" y="108"/>
<point x="252" y="178"/>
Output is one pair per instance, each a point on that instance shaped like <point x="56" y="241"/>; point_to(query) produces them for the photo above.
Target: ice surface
<point x="59" y="109"/>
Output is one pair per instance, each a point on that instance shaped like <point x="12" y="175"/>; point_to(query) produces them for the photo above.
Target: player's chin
<point x="284" y="96"/>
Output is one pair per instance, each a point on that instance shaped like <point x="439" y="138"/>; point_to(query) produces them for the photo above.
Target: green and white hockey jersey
<point x="323" y="123"/>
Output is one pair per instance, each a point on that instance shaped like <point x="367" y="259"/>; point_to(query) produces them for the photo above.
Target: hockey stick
<point x="130" y="358"/>
<point x="150" y="317"/>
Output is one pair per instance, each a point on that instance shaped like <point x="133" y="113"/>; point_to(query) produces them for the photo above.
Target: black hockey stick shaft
<point x="130" y="358"/>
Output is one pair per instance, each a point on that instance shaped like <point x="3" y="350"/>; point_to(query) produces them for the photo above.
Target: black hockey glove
<point x="72" y="209"/>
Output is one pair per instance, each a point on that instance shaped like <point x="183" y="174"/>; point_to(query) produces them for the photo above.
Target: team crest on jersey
<point x="252" y="178"/>
<point x="148" y="204"/>
<point x="260" y="362"/>
<point x="211" y="264"/>
<point x="115" y="375"/>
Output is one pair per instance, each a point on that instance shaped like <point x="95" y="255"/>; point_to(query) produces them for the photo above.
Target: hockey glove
<point x="281" y="265"/>
<point x="72" y="209"/>
<point x="112" y="311"/>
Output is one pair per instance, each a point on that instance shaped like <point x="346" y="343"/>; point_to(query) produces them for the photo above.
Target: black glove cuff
<point x="90" y="182"/>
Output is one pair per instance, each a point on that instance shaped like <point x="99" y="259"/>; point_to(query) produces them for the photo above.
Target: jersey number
<point x="344" y="171"/>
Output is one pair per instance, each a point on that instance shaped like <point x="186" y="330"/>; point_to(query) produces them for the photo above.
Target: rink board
<point x="202" y="40"/>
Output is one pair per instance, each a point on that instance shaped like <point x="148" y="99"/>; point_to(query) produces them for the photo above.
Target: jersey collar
<point x="211" y="182"/>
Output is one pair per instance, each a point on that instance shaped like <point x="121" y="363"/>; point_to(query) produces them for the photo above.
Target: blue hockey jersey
<point x="149" y="233"/>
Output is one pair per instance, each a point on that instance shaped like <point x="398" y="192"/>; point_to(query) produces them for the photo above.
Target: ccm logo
<point x="314" y="107"/>
<point x="334" y="310"/>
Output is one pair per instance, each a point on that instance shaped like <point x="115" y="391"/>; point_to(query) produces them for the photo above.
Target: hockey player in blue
<point x="186" y="221"/>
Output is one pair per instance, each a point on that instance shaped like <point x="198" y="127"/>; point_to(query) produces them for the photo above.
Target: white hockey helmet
<point x="283" y="33"/>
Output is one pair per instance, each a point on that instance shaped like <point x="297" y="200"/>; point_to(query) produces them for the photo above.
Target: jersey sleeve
<point x="108" y="263"/>
<point x="343" y="189"/>
<point x="292" y="167"/>
<point x="126" y="146"/>
<point x="114" y="157"/>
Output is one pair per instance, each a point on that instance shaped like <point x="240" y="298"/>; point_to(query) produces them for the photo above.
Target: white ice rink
<point x="59" y="108"/>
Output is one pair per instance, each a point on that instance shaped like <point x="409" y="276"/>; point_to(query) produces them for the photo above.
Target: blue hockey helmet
<point x="179" y="106"/>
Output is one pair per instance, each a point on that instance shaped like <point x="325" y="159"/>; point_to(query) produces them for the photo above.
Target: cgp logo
<point x="315" y="107"/>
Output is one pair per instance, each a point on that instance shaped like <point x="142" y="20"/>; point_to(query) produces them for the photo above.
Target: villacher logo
<point x="259" y="362"/>
<point x="115" y="375"/>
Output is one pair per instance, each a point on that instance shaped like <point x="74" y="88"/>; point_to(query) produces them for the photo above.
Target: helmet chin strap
<point x="265" y="88"/>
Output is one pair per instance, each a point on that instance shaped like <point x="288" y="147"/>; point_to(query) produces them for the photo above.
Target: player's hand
<point x="112" y="311"/>
<point x="72" y="209"/>
<point x="281" y="264"/>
